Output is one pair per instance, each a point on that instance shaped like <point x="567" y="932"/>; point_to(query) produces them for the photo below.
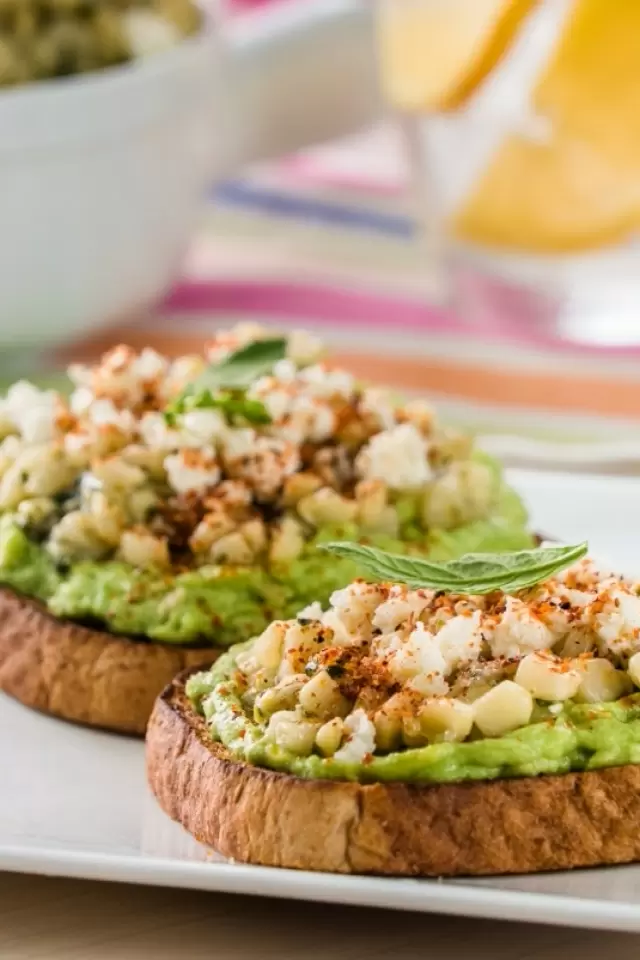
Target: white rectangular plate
<point x="74" y="802"/>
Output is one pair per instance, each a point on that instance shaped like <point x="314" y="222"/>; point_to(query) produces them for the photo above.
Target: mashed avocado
<point x="579" y="737"/>
<point x="221" y="604"/>
<point x="182" y="499"/>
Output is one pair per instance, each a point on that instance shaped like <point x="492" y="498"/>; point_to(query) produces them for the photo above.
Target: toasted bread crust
<point x="474" y="828"/>
<point x="88" y="676"/>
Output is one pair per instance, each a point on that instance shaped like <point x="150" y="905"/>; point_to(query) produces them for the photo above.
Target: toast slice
<point x="274" y="819"/>
<point x="85" y="675"/>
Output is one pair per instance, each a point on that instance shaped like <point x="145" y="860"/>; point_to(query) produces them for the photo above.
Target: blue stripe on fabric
<point x="239" y="193"/>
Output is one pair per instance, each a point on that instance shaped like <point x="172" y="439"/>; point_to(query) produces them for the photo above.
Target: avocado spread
<point x="218" y="603"/>
<point x="182" y="501"/>
<point x="426" y="685"/>
<point x="579" y="737"/>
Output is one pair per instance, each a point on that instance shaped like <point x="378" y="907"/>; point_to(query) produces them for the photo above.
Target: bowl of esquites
<point x="476" y="716"/>
<point x="167" y="509"/>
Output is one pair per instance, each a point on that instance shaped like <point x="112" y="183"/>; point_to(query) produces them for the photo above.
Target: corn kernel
<point x="503" y="709"/>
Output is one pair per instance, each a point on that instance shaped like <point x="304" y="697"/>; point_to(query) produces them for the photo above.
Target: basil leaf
<point x="241" y="369"/>
<point x="475" y="573"/>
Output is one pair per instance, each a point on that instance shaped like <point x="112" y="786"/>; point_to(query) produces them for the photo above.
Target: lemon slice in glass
<point x="435" y="53"/>
<point x="579" y="189"/>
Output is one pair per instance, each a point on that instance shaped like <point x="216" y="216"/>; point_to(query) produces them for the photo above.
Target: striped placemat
<point x="312" y="243"/>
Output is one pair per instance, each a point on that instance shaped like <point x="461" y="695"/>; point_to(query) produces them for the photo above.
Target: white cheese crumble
<point x="616" y="618"/>
<point x="401" y="605"/>
<point x="418" y="654"/>
<point x="460" y="640"/>
<point x="104" y="413"/>
<point x="519" y="631"/>
<point x="398" y="457"/>
<point x="192" y="471"/>
<point x="31" y="411"/>
<point x="361" y="738"/>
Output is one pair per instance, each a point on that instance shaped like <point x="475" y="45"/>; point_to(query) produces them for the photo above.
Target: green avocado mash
<point x="580" y="737"/>
<point x="222" y="605"/>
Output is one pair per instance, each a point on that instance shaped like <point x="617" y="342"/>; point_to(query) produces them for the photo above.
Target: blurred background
<point x="447" y="189"/>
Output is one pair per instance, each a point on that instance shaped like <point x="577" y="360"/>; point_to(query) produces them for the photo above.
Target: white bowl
<point x="102" y="176"/>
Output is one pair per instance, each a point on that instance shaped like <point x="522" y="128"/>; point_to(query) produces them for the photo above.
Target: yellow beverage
<point x="528" y="118"/>
<point x="577" y="187"/>
<point x="434" y="53"/>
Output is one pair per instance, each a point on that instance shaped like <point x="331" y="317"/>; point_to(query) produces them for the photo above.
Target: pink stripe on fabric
<point x="307" y="302"/>
<point x="331" y="305"/>
<point x="314" y="173"/>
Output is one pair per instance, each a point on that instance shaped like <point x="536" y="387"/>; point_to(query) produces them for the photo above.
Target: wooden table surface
<point x="47" y="919"/>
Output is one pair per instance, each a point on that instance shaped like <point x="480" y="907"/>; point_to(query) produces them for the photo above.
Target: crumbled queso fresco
<point x="386" y="667"/>
<point x="104" y="474"/>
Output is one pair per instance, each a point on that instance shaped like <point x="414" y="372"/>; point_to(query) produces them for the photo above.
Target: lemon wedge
<point x="435" y="53"/>
<point x="579" y="189"/>
<point x="546" y="199"/>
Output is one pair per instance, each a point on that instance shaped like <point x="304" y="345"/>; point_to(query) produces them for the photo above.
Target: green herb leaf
<point x="253" y="411"/>
<point x="242" y="368"/>
<point x="223" y="386"/>
<point x="233" y="404"/>
<point x="475" y="573"/>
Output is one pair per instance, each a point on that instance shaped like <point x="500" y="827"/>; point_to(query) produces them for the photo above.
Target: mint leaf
<point x="253" y="411"/>
<point x="234" y="404"/>
<point x="475" y="573"/>
<point x="223" y="385"/>
<point x="241" y="369"/>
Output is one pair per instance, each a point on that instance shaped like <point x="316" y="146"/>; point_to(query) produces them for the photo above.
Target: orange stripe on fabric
<point x="517" y="388"/>
<point x="509" y="388"/>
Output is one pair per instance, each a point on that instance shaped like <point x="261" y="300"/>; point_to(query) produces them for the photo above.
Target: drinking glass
<point x="523" y="126"/>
